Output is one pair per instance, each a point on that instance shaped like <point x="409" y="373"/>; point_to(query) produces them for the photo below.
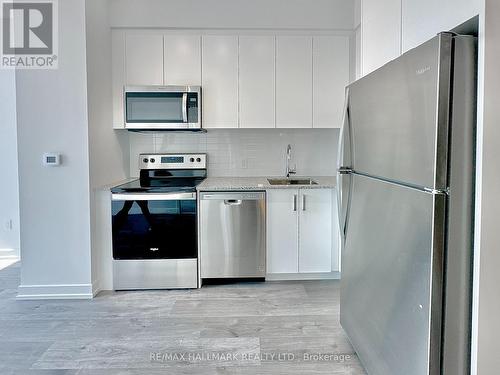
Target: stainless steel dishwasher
<point x="233" y="235"/>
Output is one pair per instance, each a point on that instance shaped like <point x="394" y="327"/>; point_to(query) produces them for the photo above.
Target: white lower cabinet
<point x="315" y="230"/>
<point x="300" y="231"/>
<point x="282" y="231"/>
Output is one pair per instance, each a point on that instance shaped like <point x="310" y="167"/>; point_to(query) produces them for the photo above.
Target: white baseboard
<point x="9" y="254"/>
<point x="96" y="287"/>
<point x="303" y="276"/>
<point x="60" y="291"/>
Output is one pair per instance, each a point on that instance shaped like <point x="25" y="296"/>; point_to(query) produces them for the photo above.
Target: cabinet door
<point x="118" y="76"/>
<point x="282" y="231"/>
<point x="144" y="59"/>
<point x="330" y="77"/>
<point x="438" y="15"/>
<point x="182" y="59"/>
<point x="256" y="81"/>
<point x="335" y="234"/>
<point x="293" y="82"/>
<point x="315" y="230"/>
<point x="220" y="81"/>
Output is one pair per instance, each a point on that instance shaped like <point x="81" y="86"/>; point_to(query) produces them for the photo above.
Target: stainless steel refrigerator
<point x="406" y="188"/>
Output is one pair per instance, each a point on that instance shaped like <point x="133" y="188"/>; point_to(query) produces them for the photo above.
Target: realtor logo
<point x="29" y="34"/>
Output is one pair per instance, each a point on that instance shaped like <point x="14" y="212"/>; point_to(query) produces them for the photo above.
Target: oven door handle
<point x="153" y="197"/>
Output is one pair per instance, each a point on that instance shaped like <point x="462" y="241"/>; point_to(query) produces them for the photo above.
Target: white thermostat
<point x="51" y="159"/>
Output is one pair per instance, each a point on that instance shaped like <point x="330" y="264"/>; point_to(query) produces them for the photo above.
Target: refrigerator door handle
<point x="343" y="167"/>
<point x="345" y="150"/>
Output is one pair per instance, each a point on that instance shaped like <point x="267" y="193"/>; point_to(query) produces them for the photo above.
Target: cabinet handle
<point x="303" y="202"/>
<point x="295" y="203"/>
<point x="184" y="107"/>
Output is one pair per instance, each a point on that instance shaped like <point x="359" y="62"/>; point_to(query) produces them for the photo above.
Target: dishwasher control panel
<point x="234" y="195"/>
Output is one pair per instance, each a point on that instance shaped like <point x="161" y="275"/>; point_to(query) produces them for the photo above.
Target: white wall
<point x="234" y="14"/>
<point x="54" y="202"/>
<point x="248" y="152"/>
<point x="108" y="149"/>
<point x="9" y="194"/>
<point x="487" y="280"/>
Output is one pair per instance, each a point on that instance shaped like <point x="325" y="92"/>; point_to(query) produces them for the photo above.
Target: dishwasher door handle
<point x="232" y="202"/>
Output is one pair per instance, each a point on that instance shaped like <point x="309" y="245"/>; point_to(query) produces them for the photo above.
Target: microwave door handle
<point x="184" y="107"/>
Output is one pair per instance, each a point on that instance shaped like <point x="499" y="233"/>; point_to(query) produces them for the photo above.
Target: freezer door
<point x="391" y="282"/>
<point x="399" y="117"/>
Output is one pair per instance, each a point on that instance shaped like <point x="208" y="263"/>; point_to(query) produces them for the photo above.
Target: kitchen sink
<point x="291" y="181"/>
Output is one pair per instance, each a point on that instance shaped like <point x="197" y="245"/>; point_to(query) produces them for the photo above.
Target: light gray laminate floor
<point x="236" y="328"/>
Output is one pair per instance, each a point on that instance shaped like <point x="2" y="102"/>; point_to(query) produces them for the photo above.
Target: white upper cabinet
<point x="358" y="70"/>
<point x="315" y="236"/>
<point x="248" y="81"/>
<point x="423" y="19"/>
<point x="182" y="59"/>
<point x="380" y="33"/>
<point x="330" y="77"/>
<point x="118" y="76"/>
<point x="256" y="81"/>
<point x="220" y="81"/>
<point x="294" y="82"/>
<point x="144" y="59"/>
<point x="392" y="27"/>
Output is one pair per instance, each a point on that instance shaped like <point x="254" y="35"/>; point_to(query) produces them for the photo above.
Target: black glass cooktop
<point x="161" y="181"/>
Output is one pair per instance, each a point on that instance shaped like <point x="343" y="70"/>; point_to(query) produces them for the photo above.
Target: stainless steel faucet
<point x="288" y="170"/>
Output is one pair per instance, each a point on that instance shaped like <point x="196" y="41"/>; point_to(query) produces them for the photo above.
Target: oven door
<point x="154" y="226"/>
<point x="154" y="241"/>
<point x="162" y="107"/>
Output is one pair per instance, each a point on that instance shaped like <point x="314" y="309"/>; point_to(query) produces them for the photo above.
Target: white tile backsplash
<point x="247" y="152"/>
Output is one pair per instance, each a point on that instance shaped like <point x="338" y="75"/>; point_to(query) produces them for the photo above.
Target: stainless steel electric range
<point x="155" y="227"/>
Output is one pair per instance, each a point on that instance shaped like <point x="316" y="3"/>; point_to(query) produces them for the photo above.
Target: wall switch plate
<point x="51" y="159"/>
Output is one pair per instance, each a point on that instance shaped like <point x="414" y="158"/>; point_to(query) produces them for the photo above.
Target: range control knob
<point x="145" y="160"/>
<point x="191" y="160"/>
<point x="198" y="160"/>
<point x="152" y="160"/>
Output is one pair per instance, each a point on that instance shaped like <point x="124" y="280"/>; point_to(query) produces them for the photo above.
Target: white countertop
<point x="261" y="183"/>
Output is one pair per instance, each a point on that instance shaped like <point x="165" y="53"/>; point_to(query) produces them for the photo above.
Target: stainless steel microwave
<point x="162" y="107"/>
